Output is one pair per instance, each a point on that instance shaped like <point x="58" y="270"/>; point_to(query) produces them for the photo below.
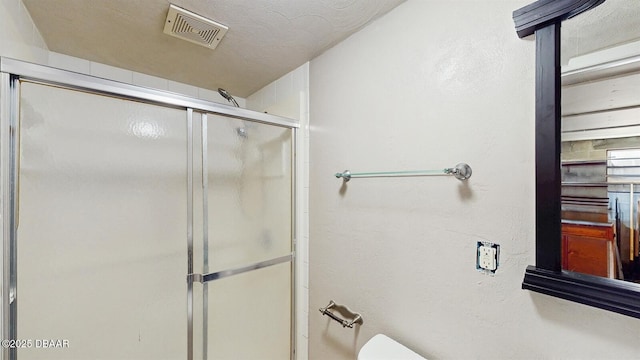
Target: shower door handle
<point x="204" y="278"/>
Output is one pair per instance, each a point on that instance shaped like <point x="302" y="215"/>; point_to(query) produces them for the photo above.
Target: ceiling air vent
<point x="192" y="27"/>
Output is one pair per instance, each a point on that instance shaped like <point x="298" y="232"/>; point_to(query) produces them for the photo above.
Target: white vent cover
<point x="192" y="27"/>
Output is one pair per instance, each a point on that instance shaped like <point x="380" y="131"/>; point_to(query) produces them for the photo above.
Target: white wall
<point x="19" y="38"/>
<point x="431" y="84"/>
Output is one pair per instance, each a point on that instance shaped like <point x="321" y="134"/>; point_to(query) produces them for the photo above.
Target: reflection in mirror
<point x="601" y="141"/>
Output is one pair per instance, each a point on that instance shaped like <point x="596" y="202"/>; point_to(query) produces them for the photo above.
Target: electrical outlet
<point x="487" y="257"/>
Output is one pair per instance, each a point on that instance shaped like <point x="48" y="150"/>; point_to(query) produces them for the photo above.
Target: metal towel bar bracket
<point x="356" y="317"/>
<point x="461" y="171"/>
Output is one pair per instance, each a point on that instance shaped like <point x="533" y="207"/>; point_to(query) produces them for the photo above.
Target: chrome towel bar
<point x="356" y="317"/>
<point x="461" y="171"/>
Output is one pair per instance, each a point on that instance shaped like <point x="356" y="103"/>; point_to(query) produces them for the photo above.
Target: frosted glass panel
<point x="102" y="226"/>
<point x="249" y="192"/>
<point x="250" y="315"/>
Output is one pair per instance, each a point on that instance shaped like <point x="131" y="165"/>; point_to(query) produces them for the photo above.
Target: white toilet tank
<point x="382" y="347"/>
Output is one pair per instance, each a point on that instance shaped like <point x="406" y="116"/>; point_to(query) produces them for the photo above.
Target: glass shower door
<point x="101" y="255"/>
<point x="245" y="246"/>
<point x="138" y="226"/>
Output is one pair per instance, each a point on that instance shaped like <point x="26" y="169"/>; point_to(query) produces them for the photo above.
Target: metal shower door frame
<point x="207" y="276"/>
<point x="12" y="72"/>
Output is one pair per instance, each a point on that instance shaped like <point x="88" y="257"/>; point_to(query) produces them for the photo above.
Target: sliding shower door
<point x="140" y="224"/>
<point x="244" y="247"/>
<point x="102" y="207"/>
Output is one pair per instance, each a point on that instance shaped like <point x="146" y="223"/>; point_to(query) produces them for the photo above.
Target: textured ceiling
<point x="266" y="38"/>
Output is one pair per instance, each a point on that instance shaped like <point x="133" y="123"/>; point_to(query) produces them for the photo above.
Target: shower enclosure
<point x="141" y="224"/>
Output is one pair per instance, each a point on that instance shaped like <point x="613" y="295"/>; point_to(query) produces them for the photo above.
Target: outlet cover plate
<point x="487" y="256"/>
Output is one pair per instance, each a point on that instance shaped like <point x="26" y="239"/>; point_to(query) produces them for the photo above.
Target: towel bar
<point x="461" y="171"/>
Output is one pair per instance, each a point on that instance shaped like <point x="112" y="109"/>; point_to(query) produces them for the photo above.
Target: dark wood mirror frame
<point x="543" y="18"/>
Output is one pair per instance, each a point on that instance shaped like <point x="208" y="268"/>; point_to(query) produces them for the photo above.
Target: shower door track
<point x="71" y="80"/>
<point x="11" y="73"/>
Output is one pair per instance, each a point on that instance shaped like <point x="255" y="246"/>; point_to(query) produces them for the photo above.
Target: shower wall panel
<point x="102" y="226"/>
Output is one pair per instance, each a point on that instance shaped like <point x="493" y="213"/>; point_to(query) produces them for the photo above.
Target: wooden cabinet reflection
<point x="589" y="248"/>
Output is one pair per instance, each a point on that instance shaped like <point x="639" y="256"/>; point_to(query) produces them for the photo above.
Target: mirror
<point x="544" y="19"/>
<point x="600" y="141"/>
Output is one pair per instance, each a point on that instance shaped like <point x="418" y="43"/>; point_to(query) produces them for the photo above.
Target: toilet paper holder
<point x="356" y="318"/>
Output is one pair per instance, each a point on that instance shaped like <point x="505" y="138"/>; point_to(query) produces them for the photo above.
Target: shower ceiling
<point x="266" y="38"/>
